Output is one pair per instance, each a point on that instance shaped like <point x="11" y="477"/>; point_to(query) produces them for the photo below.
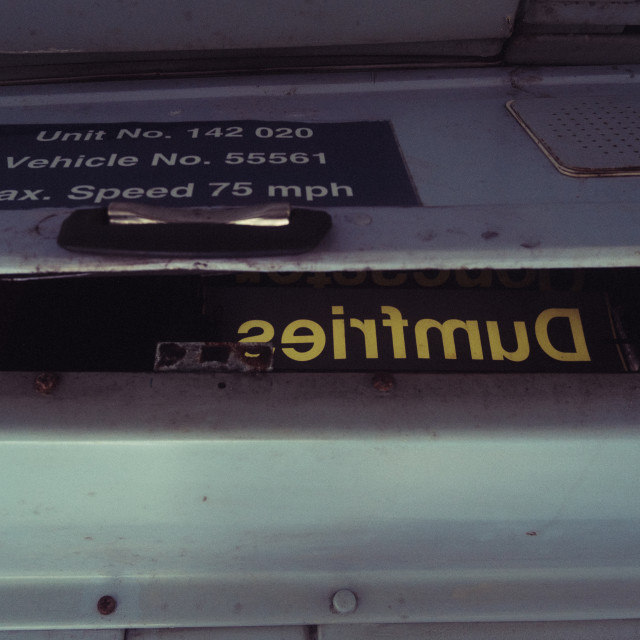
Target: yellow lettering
<point x="319" y="280"/>
<point x="446" y="330"/>
<point x="349" y="278"/>
<point x="498" y="351"/>
<point x="423" y="280"/>
<point x="397" y="324"/>
<point x="267" y="331"/>
<point x="561" y="279"/>
<point x="316" y="338"/>
<point x="580" y="352"/>
<point x="285" y="278"/>
<point x="526" y="278"/>
<point x="368" y="328"/>
<point x="266" y="335"/>
<point x="382" y="280"/>
<point x="339" y="342"/>
<point x="466" y="279"/>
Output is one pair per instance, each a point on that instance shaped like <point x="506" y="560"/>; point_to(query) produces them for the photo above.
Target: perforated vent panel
<point x="584" y="137"/>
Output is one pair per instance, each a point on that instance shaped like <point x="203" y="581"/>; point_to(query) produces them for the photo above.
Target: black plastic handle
<point x="89" y="231"/>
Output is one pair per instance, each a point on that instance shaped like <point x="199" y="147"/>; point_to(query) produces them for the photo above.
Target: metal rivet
<point x="107" y="605"/>
<point x="45" y="383"/>
<point x="383" y="382"/>
<point x="344" y="601"/>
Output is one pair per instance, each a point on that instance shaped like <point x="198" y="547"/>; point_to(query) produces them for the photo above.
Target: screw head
<point x="383" y="382"/>
<point x="344" y="601"/>
<point x="45" y="383"/>
<point x="107" y="605"/>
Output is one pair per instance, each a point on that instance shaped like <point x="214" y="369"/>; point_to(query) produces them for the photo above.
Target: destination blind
<point x="418" y="330"/>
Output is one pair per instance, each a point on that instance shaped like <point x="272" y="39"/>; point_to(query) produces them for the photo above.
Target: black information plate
<point x="409" y="330"/>
<point x="234" y="163"/>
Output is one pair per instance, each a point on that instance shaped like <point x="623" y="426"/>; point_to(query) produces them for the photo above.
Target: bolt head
<point x="107" y="605"/>
<point x="344" y="601"/>
<point x="45" y="383"/>
<point x="383" y="382"/>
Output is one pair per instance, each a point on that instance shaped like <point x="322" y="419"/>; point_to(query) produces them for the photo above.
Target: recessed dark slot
<point x="334" y="321"/>
<point x="215" y="353"/>
<point x="170" y="354"/>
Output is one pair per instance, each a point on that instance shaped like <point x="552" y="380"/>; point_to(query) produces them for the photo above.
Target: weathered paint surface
<point x="582" y="12"/>
<point x="148" y="25"/>
<point x="491" y="198"/>
<point x="214" y="356"/>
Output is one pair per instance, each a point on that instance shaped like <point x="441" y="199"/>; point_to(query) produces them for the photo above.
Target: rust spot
<point x="204" y="498"/>
<point x="383" y="382"/>
<point x="427" y="236"/>
<point x="169" y="354"/>
<point x="489" y="235"/>
<point x="107" y="605"/>
<point x="254" y="357"/>
<point x="45" y="383"/>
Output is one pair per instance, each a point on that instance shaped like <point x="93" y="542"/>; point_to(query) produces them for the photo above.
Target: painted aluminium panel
<point x="62" y="26"/>
<point x="233" y="500"/>
<point x="490" y="197"/>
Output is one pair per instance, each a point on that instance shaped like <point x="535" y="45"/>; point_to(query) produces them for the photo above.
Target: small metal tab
<point x="245" y="357"/>
<point x="267" y="215"/>
<point x="583" y="137"/>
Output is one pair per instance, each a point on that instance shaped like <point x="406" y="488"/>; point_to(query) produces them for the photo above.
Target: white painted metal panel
<point x="490" y="197"/>
<point x="219" y="633"/>
<point x="161" y="25"/>
<point x="196" y="505"/>
<point x="595" y="13"/>
<point x="597" y="630"/>
<point x="64" y="634"/>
